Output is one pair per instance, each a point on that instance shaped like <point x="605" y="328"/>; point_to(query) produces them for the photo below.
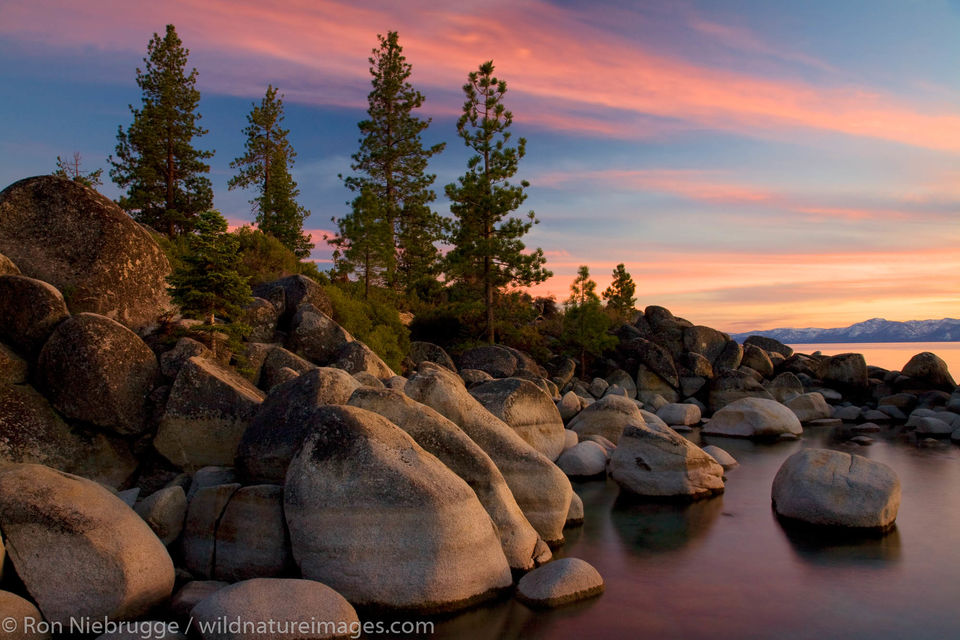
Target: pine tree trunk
<point x="170" y="174"/>
<point x="488" y="297"/>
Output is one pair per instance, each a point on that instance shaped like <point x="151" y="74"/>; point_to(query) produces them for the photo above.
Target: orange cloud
<point x="580" y="76"/>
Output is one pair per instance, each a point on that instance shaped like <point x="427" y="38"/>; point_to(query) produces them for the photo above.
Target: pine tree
<point x="157" y="164"/>
<point x="488" y="249"/>
<point x="391" y="166"/>
<point x="266" y="166"/>
<point x="619" y="295"/>
<point x="207" y="282"/>
<point x="585" y="325"/>
<point x="362" y="246"/>
<point x="70" y="169"/>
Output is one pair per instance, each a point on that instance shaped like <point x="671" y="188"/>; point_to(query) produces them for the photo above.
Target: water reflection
<point x="648" y="527"/>
<point x="834" y="548"/>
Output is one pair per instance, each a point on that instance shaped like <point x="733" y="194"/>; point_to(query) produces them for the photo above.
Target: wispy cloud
<point x="323" y="46"/>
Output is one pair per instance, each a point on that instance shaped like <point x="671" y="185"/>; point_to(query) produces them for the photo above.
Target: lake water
<point x="724" y="568"/>
<point x="889" y="355"/>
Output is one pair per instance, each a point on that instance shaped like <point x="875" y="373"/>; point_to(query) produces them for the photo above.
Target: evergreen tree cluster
<point x="387" y="246"/>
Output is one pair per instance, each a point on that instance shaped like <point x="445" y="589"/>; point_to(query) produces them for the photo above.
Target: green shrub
<point x="374" y="321"/>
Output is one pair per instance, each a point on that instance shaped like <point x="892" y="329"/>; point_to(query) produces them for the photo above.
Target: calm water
<point x="890" y="355"/>
<point x="725" y="568"/>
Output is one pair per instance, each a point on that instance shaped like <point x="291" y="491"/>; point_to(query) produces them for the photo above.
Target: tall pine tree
<point x="163" y="174"/>
<point x="265" y="165"/>
<point x="585" y="325"/>
<point x="487" y="246"/>
<point x="619" y="295"/>
<point x="391" y="166"/>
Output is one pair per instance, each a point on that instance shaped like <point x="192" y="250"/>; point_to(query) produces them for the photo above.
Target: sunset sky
<point x="754" y="164"/>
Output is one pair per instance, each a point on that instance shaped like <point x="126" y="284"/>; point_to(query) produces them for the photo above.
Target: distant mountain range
<point x="873" y="330"/>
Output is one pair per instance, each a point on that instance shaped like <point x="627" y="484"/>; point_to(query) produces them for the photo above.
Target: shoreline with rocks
<point x="151" y="473"/>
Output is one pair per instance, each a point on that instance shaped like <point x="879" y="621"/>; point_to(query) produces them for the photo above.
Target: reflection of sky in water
<point x="725" y="567"/>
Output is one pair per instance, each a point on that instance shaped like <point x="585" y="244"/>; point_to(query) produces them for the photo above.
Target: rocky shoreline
<point x="150" y="472"/>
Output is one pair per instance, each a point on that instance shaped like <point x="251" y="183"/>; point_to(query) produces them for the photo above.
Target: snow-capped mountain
<point x="873" y="330"/>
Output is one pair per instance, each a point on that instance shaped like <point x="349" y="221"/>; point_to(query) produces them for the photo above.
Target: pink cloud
<point x="548" y="53"/>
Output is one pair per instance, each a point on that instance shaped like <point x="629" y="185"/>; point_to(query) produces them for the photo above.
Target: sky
<point x="754" y="164"/>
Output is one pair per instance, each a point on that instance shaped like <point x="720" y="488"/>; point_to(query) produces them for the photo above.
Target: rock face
<point x="288" y="294"/>
<point x="284" y="420"/>
<point x="315" y="335"/>
<point x="251" y="536"/>
<point x="96" y="370"/>
<point x="832" y="488"/>
<point x="7" y="268"/>
<point x="13" y="368"/>
<point x="769" y="344"/>
<point x="31" y="431"/>
<point x="29" y="312"/>
<point x="731" y="386"/>
<point x="164" y="511"/>
<point x="429" y="352"/>
<point x="754" y="418"/>
<point x="607" y="417"/>
<point x="357" y="471"/>
<point x="356" y="357"/>
<point x="723" y="458"/>
<point x="679" y="414"/>
<point x="206" y="415"/>
<point x="19" y="609"/>
<point x="931" y="369"/>
<point x="527" y="409"/>
<point x="540" y="488"/>
<point x="847" y="371"/>
<point x="199" y="544"/>
<point x="500" y="361"/>
<point x="662" y="463"/>
<point x="61" y="232"/>
<point x="810" y="406"/>
<point x="79" y="549"/>
<point x="445" y="440"/>
<point x="294" y="606"/>
<point x="583" y="460"/>
<point x="561" y="582"/>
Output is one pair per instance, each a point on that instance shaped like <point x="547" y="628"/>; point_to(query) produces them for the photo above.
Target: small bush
<point x="374" y="322"/>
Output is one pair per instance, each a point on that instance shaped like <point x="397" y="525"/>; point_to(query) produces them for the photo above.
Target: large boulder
<point x="758" y="360"/>
<point x="82" y="243"/>
<point x="833" y="488"/>
<point x="429" y="352"/>
<point x="607" y="417"/>
<point x="31" y="431"/>
<point x="209" y="409"/>
<point x="13" y="368"/>
<point x="290" y="293"/>
<point x="275" y="362"/>
<point x="315" y="336"/>
<point x="809" y="407"/>
<point x="261" y="316"/>
<point x="7" y="267"/>
<point x="784" y="387"/>
<point x="356" y="357"/>
<point x="285" y="418"/>
<point x="650" y="384"/>
<point x="199" y="537"/>
<point x="732" y="385"/>
<point x="930" y="369"/>
<point x="527" y="409"/>
<point x="658" y="462"/>
<point x="679" y="414"/>
<point x="754" y="418"/>
<point x="583" y="460"/>
<point x="559" y="583"/>
<point x="275" y="609"/>
<point x="541" y="489"/>
<point x="706" y="341"/>
<point x="357" y="471"/>
<point x="769" y="344"/>
<point x="29" y="312"/>
<point x="79" y="550"/>
<point x="730" y="358"/>
<point x="96" y="370"/>
<point x="500" y="361"/>
<point x="164" y="511"/>
<point x="20" y="610"/>
<point x="442" y="438"/>
<point x="847" y="371"/>
<point x="251" y="536"/>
